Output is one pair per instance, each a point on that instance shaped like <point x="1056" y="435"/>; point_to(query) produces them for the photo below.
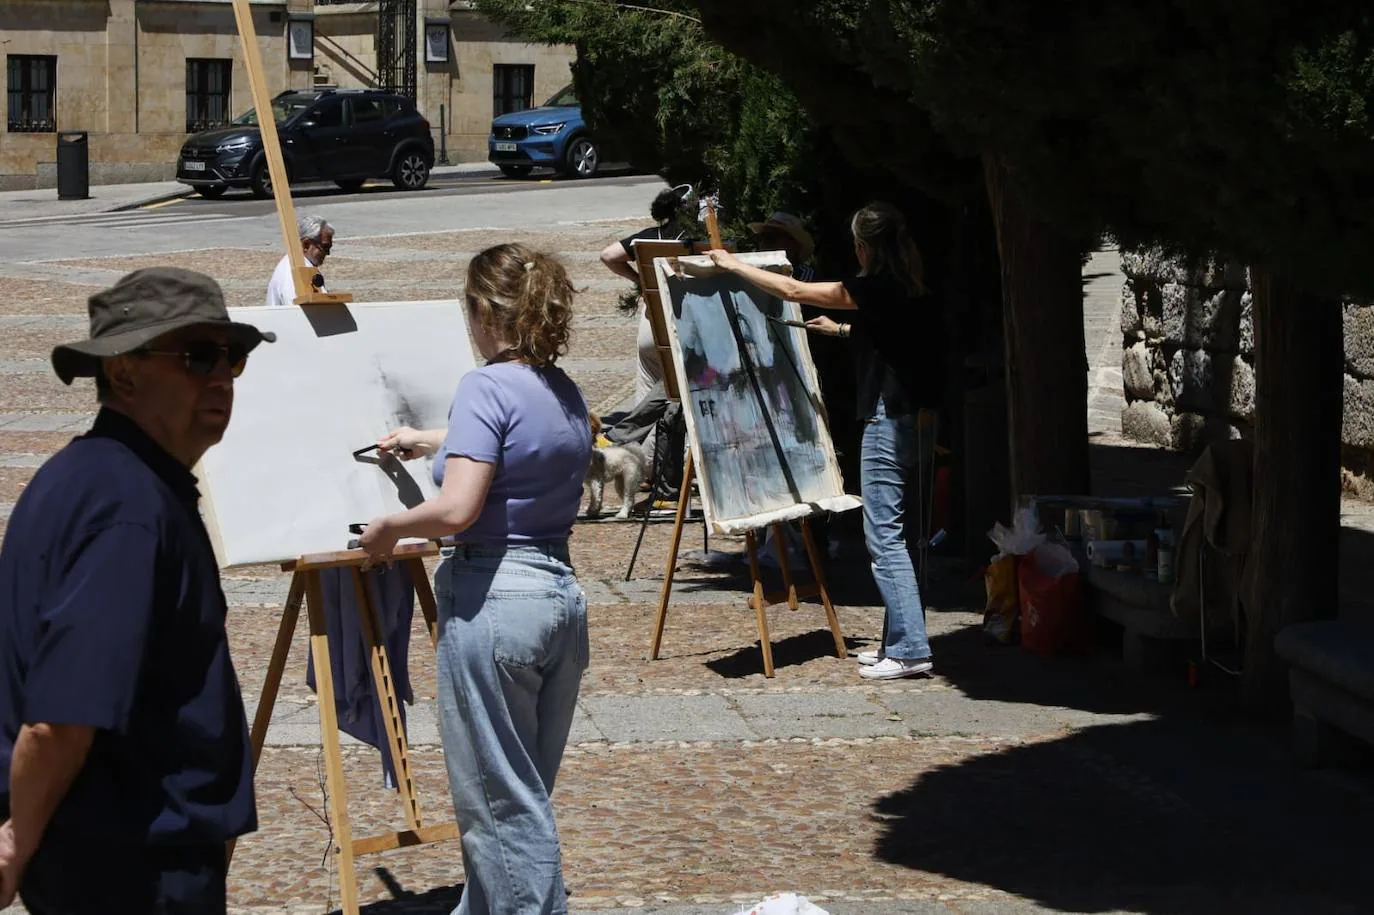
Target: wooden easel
<point x="302" y="274"/>
<point x="306" y="587"/>
<point x="760" y="600"/>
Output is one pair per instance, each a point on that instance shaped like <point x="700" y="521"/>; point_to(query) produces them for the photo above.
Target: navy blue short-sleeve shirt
<point x="112" y="615"/>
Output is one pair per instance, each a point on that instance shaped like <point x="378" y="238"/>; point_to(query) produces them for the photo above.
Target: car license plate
<point x="505" y="147"/>
<point x="192" y="166"/>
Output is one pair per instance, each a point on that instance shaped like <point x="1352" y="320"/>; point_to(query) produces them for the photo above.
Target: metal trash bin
<point x="73" y="166"/>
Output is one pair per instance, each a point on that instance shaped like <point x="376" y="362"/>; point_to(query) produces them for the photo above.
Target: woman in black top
<point x="900" y="355"/>
<point x="619" y="258"/>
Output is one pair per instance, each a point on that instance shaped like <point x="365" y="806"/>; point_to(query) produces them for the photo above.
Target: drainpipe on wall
<point x="443" y="136"/>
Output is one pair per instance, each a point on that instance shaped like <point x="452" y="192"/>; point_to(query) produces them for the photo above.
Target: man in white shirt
<point x="317" y="238"/>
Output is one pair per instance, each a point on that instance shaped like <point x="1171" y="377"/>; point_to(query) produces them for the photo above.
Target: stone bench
<point x="1150" y="632"/>
<point x="1331" y="675"/>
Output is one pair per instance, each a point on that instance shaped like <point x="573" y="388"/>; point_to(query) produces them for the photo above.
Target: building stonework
<point x="1187" y="364"/>
<point x="121" y="74"/>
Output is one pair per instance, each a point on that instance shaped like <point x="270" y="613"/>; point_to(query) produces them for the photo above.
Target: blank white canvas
<point x="284" y="481"/>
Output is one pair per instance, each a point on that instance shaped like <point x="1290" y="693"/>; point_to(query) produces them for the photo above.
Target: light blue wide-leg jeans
<point x="512" y="649"/>
<point x="886" y="464"/>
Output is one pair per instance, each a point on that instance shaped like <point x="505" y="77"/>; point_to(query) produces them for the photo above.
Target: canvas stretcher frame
<point x="673" y="275"/>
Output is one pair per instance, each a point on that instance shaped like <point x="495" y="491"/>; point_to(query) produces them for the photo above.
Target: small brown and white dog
<point x="623" y="465"/>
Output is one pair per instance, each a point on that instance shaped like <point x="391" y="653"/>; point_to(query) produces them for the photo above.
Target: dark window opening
<point x="207" y="93"/>
<point x="368" y="111"/>
<point x="328" y="114"/>
<point x="512" y="88"/>
<point x="32" y="85"/>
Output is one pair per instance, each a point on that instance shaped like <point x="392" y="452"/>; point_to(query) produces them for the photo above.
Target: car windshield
<point x="283" y="110"/>
<point x="564" y="98"/>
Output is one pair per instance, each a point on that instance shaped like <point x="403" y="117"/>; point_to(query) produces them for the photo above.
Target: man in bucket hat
<point x="124" y="755"/>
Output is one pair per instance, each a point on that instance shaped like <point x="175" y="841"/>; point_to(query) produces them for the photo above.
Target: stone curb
<point x="149" y="201"/>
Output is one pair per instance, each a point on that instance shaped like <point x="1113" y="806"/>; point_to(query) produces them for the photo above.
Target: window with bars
<point x="207" y="93"/>
<point x="512" y="88"/>
<point x="32" y="84"/>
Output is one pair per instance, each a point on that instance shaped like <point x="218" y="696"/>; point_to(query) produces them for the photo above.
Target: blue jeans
<point x="887" y="461"/>
<point x="512" y="649"/>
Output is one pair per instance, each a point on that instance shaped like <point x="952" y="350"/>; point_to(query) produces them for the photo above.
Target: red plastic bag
<point x="1054" y="615"/>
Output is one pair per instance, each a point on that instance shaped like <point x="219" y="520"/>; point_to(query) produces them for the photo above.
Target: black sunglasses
<point x="203" y="357"/>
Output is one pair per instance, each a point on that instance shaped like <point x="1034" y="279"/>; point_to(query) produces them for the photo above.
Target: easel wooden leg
<point x="286" y="629"/>
<point x="683" y="499"/>
<point x="425" y="595"/>
<point x="329" y="739"/>
<point x="385" y="685"/>
<point x="818" y="573"/>
<point x="760" y="604"/>
<point x="780" y="547"/>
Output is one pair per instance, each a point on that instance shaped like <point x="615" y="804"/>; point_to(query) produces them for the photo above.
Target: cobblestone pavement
<point x="693" y="784"/>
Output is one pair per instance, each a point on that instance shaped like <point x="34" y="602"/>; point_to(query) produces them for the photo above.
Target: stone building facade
<point x="138" y="75"/>
<point x="1188" y="360"/>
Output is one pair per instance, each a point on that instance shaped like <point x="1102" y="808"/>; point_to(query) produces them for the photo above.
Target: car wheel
<point x="352" y="184"/>
<point x="213" y="192"/>
<point x="261" y="182"/>
<point x="411" y="171"/>
<point x="516" y="171"/>
<point x="581" y="159"/>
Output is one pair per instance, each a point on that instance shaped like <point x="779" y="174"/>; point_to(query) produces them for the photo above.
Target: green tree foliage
<point x="658" y="92"/>
<point x="1216" y="125"/>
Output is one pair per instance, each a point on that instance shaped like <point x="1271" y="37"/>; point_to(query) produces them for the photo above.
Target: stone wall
<point x="121" y="77"/>
<point x="121" y="74"/>
<point x="1188" y="361"/>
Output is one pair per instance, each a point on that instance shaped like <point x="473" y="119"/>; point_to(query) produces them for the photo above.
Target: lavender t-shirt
<point x="532" y="424"/>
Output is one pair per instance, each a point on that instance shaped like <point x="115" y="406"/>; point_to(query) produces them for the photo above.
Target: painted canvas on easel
<point x="286" y="481"/>
<point x="751" y="397"/>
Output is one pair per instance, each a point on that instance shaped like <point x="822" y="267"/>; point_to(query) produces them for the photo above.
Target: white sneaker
<point x="893" y="668"/>
<point x="870" y="657"/>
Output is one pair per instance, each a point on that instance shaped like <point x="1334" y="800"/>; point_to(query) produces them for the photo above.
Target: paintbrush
<point x="784" y="321"/>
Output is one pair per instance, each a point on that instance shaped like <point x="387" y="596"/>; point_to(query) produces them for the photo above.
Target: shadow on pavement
<point x="1143" y="817"/>
<point x="437" y="901"/>
<point x="789" y="652"/>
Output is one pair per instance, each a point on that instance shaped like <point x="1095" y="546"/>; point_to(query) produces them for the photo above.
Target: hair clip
<point x="529" y="265"/>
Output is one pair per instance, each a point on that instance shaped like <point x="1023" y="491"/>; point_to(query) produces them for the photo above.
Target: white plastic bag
<point x="1021" y="538"/>
<point x="785" y="904"/>
<point x="1055" y="560"/>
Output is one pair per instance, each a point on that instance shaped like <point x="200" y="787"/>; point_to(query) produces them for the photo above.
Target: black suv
<point x="339" y="135"/>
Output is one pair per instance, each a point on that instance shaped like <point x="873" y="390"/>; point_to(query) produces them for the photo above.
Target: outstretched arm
<point x="820" y="295"/>
<point x="617" y="260"/>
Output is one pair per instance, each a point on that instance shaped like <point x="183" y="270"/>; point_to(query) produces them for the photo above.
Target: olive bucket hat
<point x="143" y="306"/>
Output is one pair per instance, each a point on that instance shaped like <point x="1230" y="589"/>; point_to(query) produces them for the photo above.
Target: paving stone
<point x="46" y="422"/>
<point x="817" y="715"/>
<point x="646" y="718"/>
<point x="23" y="460"/>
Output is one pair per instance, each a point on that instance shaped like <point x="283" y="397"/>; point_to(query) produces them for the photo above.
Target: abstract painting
<point x="751" y="397"/>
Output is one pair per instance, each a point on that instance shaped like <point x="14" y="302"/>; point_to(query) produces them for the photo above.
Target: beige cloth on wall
<point x="1214" y="547"/>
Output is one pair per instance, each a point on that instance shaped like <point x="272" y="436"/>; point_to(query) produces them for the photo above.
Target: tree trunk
<point x="1294" y="557"/>
<point x="1047" y="367"/>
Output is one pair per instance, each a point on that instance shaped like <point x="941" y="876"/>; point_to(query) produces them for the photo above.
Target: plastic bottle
<point x="1166" y="556"/>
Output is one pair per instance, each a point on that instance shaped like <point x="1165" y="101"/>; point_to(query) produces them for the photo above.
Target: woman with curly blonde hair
<point x="513" y="619"/>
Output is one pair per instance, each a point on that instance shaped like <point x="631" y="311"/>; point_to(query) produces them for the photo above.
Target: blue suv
<point x="552" y="136"/>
